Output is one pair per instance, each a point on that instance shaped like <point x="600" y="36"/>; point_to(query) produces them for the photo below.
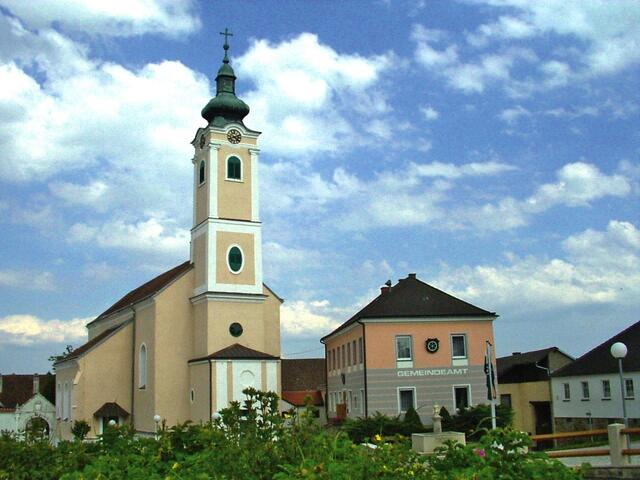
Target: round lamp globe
<point x="619" y="350"/>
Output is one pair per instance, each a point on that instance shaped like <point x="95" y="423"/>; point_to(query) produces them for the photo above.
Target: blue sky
<point x="492" y="147"/>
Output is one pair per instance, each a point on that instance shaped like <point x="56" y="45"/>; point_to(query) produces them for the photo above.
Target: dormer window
<point x="201" y="175"/>
<point x="234" y="169"/>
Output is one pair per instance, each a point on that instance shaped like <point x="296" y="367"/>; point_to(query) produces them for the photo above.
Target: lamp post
<point x="619" y="351"/>
<point x="157" y="418"/>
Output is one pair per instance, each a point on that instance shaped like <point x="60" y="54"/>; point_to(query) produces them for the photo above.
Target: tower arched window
<point x="201" y="174"/>
<point x="142" y="367"/>
<point x="234" y="168"/>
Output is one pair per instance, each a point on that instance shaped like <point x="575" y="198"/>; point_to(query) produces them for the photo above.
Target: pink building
<point x="413" y="345"/>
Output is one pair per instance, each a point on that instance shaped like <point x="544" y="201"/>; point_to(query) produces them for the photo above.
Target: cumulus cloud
<point x="29" y="330"/>
<point x="599" y="267"/>
<point x="300" y="318"/>
<point x="103" y="17"/>
<point x="430" y="113"/>
<point x="305" y="91"/>
<point x="577" y="185"/>
<point x="31" y="280"/>
<point x="148" y="236"/>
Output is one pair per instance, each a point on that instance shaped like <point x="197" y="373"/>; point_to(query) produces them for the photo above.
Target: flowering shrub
<point x="252" y="441"/>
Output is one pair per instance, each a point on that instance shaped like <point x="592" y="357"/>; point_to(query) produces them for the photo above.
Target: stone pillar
<point x="617" y="443"/>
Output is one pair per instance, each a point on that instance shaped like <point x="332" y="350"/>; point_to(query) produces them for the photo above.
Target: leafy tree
<point x="80" y="429"/>
<point x="56" y="358"/>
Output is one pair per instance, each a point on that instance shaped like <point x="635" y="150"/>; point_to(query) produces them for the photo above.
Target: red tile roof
<point x="299" y="398"/>
<point x="303" y="374"/>
<point x="148" y="289"/>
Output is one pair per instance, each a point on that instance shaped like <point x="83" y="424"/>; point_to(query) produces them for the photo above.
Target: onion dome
<point x="225" y="107"/>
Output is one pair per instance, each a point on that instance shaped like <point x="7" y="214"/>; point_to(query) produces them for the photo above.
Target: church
<point x="188" y="342"/>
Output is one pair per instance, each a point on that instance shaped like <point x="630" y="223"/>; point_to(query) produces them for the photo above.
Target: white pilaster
<point x="255" y="190"/>
<point x="213" y="179"/>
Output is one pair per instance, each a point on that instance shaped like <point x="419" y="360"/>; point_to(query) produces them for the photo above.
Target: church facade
<point x="186" y="343"/>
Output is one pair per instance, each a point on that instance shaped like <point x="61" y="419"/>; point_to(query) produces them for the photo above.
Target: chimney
<point x="412" y="275"/>
<point x="384" y="289"/>
<point x="36" y="383"/>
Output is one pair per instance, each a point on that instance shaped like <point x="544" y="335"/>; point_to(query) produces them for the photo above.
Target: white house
<point x="587" y="393"/>
<point x="26" y="403"/>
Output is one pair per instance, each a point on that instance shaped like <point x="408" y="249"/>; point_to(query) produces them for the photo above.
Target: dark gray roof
<point x="521" y="366"/>
<point x="599" y="360"/>
<point x="236" y="352"/>
<point x="411" y="297"/>
<point x="111" y="409"/>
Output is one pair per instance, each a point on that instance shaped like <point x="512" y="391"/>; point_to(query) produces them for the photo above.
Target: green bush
<point x="475" y="421"/>
<point x="252" y="441"/>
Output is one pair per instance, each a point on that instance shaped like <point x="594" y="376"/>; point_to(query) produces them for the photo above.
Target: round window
<point x="235" y="329"/>
<point x="235" y="259"/>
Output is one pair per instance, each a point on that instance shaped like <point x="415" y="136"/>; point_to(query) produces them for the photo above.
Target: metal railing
<point x="618" y="439"/>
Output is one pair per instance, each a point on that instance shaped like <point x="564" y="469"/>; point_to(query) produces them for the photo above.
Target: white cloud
<point x="110" y="18"/>
<point x="305" y="91"/>
<point x="29" y="330"/>
<point x="600" y="267"/>
<point x="511" y="115"/>
<point x="27" y="279"/>
<point x="577" y="185"/>
<point x="450" y="170"/>
<point x="147" y="236"/>
<point x="300" y="318"/>
<point x="430" y="113"/>
<point x="90" y="194"/>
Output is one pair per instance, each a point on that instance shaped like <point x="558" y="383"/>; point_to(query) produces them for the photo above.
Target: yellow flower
<point x="377" y="438"/>
<point x="175" y="466"/>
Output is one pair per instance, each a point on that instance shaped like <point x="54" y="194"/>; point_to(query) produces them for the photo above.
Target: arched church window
<point x="142" y="367"/>
<point x="234" y="168"/>
<point x="202" y="175"/>
<point x="235" y="259"/>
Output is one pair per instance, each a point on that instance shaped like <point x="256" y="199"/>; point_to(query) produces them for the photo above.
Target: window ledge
<point x="606" y="399"/>
<point x="585" y="399"/>
<point x="234" y="180"/>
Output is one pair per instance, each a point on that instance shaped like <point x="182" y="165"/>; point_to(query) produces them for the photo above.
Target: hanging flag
<point x="489" y="371"/>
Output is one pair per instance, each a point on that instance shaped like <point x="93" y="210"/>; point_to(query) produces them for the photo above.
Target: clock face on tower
<point x="234" y="136"/>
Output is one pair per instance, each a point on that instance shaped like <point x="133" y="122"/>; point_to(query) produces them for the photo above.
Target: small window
<point x="403" y="347"/>
<point x="585" y="390"/>
<point x="333" y="355"/>
<point x="349" y="353"/>
<point x="192" y="395"/>
<point x="566" y="391"/>
<point x="360" y="350"/>
<point x="142" y="367"/>
<point x="606" y="390"/>
<point x="353" y="350"/>
<point x="362" y="400"/>
<point x="201" y="174"/>
<point x="628" y="388"/>
<point x="461" y="397"/>
<point x="234" y="168"/>
<point x="459" y="346"/>
<point x="235" y="259"/>
<point x="406" y="399"/>
<point x="344" y="363"/>
<point x="505" y="400"/>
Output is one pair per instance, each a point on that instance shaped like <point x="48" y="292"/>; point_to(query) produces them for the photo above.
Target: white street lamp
<point x="619" y="351"/>
<point x="157" y="418"/>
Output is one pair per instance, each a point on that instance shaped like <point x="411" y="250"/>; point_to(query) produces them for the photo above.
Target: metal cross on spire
<point x="226" y="34"/>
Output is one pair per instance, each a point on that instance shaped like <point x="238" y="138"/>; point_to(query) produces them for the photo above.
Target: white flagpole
<point x="490" y="382"/>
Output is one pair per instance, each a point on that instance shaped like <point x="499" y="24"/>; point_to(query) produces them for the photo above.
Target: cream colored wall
<point x="174" y="348"/>
<point x="105" y="376"/>
<point x="271" y="316"/>
<point x="144" y="401"/>
<point x="200" y="340"/>
<point x="67" y="374"/>
<point x="202" y="191"/>
<point x="246" y="242"/>
<point x="199" y="381"/>
<point x="200" y="259"/>
<point x="521" y="396"/>
<point x="234" y="197"/>
<point x="222" y="314"/>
